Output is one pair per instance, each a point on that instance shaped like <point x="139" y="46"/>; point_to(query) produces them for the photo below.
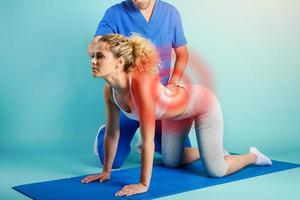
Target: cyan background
<point x="51" y="106"/>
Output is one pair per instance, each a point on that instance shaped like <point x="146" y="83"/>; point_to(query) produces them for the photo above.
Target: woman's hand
<point x="132" y="189"/>
<point x="104" y="176"/>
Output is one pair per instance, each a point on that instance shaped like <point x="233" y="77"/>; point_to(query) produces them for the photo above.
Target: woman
<point x="130" y="68"/>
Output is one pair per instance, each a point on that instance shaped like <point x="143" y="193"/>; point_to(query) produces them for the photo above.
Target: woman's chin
<point x="96" y="75"/>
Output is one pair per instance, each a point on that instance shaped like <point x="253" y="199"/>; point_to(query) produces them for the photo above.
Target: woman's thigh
<point x="209" y="133"/>
<point x="174" y="134"/>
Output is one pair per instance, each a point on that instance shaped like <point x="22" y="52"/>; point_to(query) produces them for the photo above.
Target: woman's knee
<point x="217" y="171"/>
<point x="171" y="161"/>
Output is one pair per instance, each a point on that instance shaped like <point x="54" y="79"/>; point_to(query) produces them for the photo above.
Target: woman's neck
<point x="119" y="82"/>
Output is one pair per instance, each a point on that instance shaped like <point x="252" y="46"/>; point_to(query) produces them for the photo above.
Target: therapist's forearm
<point x="179" y="67"/>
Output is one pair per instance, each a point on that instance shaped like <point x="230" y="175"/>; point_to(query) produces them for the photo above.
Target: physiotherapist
<point x="160" y="22"/>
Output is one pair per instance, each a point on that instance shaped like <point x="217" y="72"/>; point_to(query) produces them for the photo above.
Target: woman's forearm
<point x="110" y="148"/>
<point x="147" y="161"/>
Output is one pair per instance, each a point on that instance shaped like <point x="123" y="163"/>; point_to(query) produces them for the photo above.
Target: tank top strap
<point x="131" y="93"/>
<point x="131" y="115"/>
<point x="115" y="98"/>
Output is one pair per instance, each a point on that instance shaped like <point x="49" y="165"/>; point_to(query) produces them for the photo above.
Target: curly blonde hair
<point x="140" y="54"/>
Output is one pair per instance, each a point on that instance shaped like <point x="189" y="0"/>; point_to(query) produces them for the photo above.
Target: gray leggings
<point x="209" y="133"/>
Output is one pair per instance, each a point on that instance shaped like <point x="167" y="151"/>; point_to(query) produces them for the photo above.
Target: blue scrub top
<point x="164" y="28"/>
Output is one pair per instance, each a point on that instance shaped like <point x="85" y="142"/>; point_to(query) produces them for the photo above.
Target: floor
<point x="20" y="169"/>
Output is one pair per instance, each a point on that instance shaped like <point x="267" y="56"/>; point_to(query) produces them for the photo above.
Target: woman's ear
<point x="120" y="62"/>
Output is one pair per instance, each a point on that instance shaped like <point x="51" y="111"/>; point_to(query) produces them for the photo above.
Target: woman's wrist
<point x="144" y="184"/>
<point x="145" y="181"/>
<point x="107" y="171"/>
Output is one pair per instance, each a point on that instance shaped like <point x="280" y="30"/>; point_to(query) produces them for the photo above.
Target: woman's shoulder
<point x="145" y="84"/>
<point x="107" y="89"/>
<point x="143" y="79"/>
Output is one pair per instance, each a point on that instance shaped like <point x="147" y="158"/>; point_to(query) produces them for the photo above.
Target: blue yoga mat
<point x="165" y="181"/>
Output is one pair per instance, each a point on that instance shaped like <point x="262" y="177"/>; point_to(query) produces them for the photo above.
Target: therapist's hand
<point x="132" y="189"/>
<point x="104" y="176"/>
<point x="170" y="85"/>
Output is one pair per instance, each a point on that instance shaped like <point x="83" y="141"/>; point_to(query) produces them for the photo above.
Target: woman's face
<point x="103" y="61"/>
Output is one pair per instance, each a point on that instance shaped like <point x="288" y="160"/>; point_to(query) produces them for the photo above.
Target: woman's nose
<point x="94" y="62"/>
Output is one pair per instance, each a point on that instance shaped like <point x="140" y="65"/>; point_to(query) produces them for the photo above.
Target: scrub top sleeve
<point x="107" y="24"/>
<point x="178" y="34"/>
